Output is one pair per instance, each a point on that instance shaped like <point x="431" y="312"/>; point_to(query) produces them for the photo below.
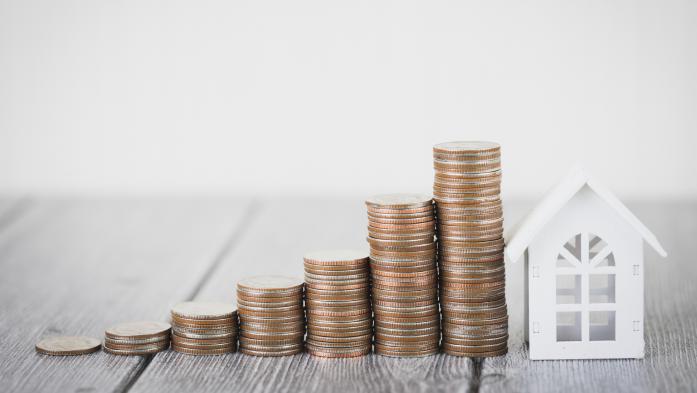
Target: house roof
<point x="522" y="234"/>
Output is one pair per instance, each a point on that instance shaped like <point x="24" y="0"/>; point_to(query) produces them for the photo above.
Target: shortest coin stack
<point x="68" y="345"/>
<point x="337" y="297"/>
<point x="137" y="338"/>
<point x="204" y="328"/>
<point x="272" y="318"/>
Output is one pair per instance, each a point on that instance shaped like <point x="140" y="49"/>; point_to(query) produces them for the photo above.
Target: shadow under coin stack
<point x="337" y="301"/>
<point x="137" y="338"/>
<point x="204" y="328"/>
<point x="401" y="229"/>
<point x="467" y="189"/>
<point x="272" y="318"/>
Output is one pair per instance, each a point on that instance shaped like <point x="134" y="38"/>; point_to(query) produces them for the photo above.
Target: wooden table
<point x="75" y="266"/>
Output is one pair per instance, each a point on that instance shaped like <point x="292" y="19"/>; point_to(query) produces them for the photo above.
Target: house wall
<point x="586" y="213"/>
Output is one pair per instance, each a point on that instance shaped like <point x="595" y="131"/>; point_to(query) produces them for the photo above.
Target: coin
<point x="68" y="345"/>
<point x="335" y="257"/>
<point x="204" y="352"/>
<point x="399" y="201"/>
<point x="270" y="283"/>
<point x="140" y="329"/>
<point x="203" y="310"/>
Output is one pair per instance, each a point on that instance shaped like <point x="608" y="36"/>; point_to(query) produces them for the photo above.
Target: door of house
<point x="585" y="290"/>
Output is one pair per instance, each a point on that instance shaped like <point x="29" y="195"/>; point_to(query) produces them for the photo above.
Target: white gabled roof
<point x="522" y="234"/>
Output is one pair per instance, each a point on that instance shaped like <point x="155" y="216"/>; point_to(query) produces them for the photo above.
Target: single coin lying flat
<point x="68" y="345"/>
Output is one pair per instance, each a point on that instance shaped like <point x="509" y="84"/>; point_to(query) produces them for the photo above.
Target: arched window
<point x="585" y="290"/>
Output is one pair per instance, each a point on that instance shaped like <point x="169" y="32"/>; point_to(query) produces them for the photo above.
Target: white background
<point x="343" y="97"/>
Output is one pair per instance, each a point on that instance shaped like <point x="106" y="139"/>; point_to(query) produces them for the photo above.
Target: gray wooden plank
<point x="275" y="243"/>
<point x="11" y="208"/>
<point x="671" y="324"/>
<point x="78" y="266"/>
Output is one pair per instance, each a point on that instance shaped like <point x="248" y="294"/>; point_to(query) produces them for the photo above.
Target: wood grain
<point x="671" y="324"/>
<point x="77" y="266"/>
<point x="275" y="243"/>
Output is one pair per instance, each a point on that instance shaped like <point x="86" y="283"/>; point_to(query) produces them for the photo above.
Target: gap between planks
<point x="249" y="216"/>
<point x="477" y="366"/>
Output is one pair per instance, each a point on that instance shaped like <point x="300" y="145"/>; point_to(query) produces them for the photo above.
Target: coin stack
<point x="204" y="328"/>
<point x="137" y="338"/>
<point x="272" y="318"/>
<point x="337" y="300"/>
<point x="401" y="229"/>
<point x="467" y="189"/>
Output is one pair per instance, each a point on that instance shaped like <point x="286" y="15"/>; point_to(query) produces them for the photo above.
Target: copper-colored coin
<point x="272" y="346"/>
<point x="203" y="310"/>
<point x="336" y="316"/>
<point x="357" y="352"/>
<point x="401" y="231"/>
<point x="348" y="279"/>
<point x="271" y="283"/>
<point x="269" y="297"/>
<point x="205" y="336"/>
<point x="473" y="349"/>
<point x="467" y="168"/>
<point x="134" y="352"/>
<point x="336" y="257"/>
<point x="467" y="148"/>
<point x="391" y="243"/>
<point x="401" y="236"/>
<point x="272" y="335"/>
<point x="211" y="324"/>
<point x="68" y="345"/>
<point x="135" y="342"/>
<point x="336" y="272"/>
<point x="359" y="322"/>
<point x="204" y="352"/>
<point x="280" y="342"/>
<point x="396" y="352"/>
<point x="277" y="326"/>
<point x="159" y="344"/>
<point x="271" y="353"/>
<point x="137" y="330"/>
<point x="399" y="215"/>
<point x="205" y="347"/>
<point x="337" y="330"/>
<point x="344" y="340"/>
<point x="206" y="341"/>
<point x="502" y="339"/>
<point x="399" y="201"/>
<point x="280" y="305"/>
<point x="315" y="285"/>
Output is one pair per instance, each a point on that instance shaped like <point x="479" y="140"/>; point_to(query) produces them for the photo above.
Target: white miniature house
<point x="584" y="266"/>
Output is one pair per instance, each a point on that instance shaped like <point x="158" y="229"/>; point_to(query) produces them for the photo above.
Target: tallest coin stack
<point x="466" y="189"/>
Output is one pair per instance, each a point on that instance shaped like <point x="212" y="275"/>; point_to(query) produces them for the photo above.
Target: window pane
<point x="595" y="245"/>
<point x="601" y="288"/>
<point x="609" y="260"/>
<point x="574" y="246"/>
<point x="562" y="262"/>
<point x="569" y="326"/>
<point x="602" y="325"/>
<point x="568" y="289"/>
